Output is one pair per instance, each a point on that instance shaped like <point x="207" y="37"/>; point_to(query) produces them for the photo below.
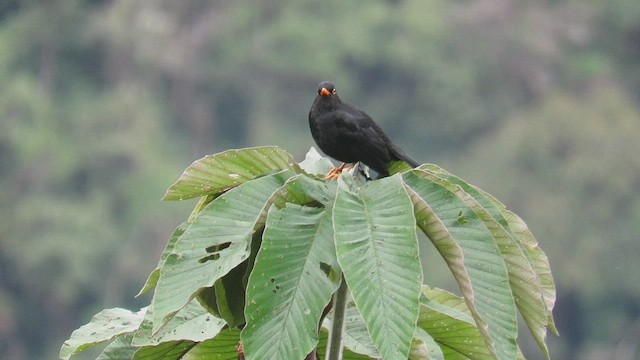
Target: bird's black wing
<point x="363" y="139"/>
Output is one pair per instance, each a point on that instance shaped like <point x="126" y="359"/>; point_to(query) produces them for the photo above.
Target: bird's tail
<point x="400" y="155"/>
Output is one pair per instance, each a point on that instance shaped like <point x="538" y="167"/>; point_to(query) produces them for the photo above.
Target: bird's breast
<point x="328" y="133"/>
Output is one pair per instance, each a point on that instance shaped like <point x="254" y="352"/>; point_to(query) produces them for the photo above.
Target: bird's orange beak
<point x="325" y="92"/>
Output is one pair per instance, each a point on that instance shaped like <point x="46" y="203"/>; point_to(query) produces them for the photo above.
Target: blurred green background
<point x="103" y="103"/>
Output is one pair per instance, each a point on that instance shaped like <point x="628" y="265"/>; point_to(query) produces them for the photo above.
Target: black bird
<point x="348" y="134"/>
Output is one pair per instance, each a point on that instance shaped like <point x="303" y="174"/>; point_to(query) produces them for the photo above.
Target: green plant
<point x="270" y="242"/>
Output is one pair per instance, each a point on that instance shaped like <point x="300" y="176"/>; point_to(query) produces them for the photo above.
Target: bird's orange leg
<point x="240" y="350"/>
<point x="334" y="173"/>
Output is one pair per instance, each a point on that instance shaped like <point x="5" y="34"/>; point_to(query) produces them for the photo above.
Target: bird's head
<point x="326" y="89"/>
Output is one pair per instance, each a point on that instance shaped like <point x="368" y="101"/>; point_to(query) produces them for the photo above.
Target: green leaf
<point x="223" y="347"/>
<point x="472" y="254"/>
<point x="104" y="326"/>
<point x="303" y="190"/>
<point x="230" y="295"/>
<point x="202" y="203"/>
<point x="539" y="260"/>
<point x="217" y="241"/>
<point x="152" y="280"/>
<point x="170" y="350"/>
<point x="119" y="349"/>
<point x="377" y="249"/>
<point x="424" y="347"/>
<point x="355" y="335"/>
<point x="207" y="298"/>
<point x="530" y="280"/>
<point x="193" y="322"/>
<point x="398" y="167"/>
<point x="449" y="326"/>
<point x="346" y="354"/>
<point x="220" y="172"/>
<point x="523" y="235"/>
<point x="290" y="286"/>
<point x="226" y="299"/>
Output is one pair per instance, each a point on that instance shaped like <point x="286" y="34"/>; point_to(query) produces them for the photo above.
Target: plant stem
<point x="334" y="346"/>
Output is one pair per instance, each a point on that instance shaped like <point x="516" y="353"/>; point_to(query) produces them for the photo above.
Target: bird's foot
<point x="240" y="350"/>
<point x="335" y="173"/>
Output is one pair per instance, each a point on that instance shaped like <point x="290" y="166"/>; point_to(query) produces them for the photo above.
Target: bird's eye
<point x="333" y="91"/>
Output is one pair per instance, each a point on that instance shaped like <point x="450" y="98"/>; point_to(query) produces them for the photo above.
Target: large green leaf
<point x="169" y="350"/>
<point x="104" y="326"/>
<point x="193" y="322"/>
<point x="539" y="260"/>
<point x="346" y="354"/>
<point x="450" y="327"/>
<point x="226" y="299"/>
<point x="227" y="296"/>
<point x="217" y="241"/>
<point x="303" y="190"/>
<point x="119" y="349"/>
<point x="355" y="335"/>
<point x="152" y="280"/>
<point x="223" y="347"/>
<point x="377" y="249"/>
<point x="530" y="280"/>
<point x="217" y="173"/>
<point x="207" y="298"/>
<point x="424" y="347"/>
<point x="472" y="254"/>
<point x="230" y="294"/>
<point x="515" y="225"/>
<point x="291" y="283"/>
